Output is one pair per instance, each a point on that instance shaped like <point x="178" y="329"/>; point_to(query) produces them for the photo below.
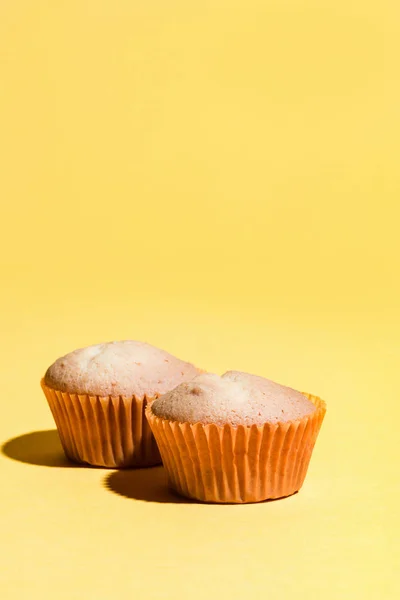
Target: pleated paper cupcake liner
<point x="237" y="464"/>
<point x="110" y="431"/>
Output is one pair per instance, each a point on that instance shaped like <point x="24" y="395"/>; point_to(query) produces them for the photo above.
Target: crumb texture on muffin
<point x="234" y="398"/>
<point x="122" y="368"/>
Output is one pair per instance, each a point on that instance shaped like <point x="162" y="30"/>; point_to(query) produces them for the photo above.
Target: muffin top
<point x="235" y="398"/>
<point x="118" y="369"/>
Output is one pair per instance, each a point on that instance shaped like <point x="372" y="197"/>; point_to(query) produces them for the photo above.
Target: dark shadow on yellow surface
<point x="149" y="485"/>
<point x="41" y="448"/>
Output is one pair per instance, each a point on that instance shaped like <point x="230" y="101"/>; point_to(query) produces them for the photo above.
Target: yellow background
<point x="219" y="179"/>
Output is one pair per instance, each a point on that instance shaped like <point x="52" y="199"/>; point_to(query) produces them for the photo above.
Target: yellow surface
<point x="219" y="179"/>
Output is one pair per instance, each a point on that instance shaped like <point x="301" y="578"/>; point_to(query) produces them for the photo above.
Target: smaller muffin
<point x="98" y="396"/>
<point x="236" y="438"/>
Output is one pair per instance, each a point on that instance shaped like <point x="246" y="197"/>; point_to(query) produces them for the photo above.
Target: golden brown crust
<point x="235" y="398"/>
<point x="123" y="368"/>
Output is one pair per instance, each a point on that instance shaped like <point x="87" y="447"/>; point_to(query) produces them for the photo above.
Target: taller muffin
<point x="236" y="438"/>
<point x="98" y="397"/>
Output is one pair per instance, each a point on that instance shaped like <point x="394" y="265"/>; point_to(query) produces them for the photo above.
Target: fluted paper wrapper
<point x="237" y="464"/>
<point x="109" y="431"/>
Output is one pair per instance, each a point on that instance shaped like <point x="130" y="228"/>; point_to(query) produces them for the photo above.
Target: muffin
<point x="98" y="396"/>
<point x="236" y="438"/>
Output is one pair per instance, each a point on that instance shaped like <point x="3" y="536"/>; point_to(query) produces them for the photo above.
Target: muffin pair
<point x="236" y="438"/>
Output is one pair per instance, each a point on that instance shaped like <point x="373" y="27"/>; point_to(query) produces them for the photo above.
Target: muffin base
<point x="109" y="431"/>
<point x="237" y="464"/>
